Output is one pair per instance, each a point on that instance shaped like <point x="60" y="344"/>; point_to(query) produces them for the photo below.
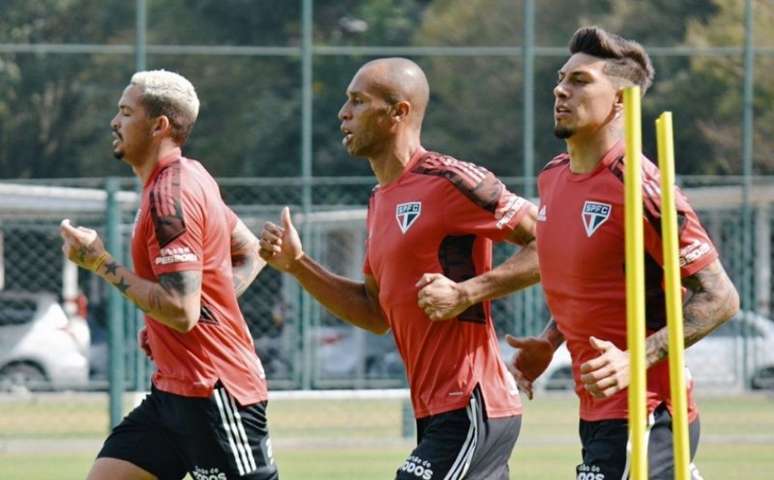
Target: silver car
<point x="738" y="354"/>
<point x="40" y="347"/>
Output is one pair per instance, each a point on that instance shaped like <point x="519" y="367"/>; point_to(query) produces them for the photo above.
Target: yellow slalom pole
<point x="635" y="284"/>
<point x="666" y="163"/>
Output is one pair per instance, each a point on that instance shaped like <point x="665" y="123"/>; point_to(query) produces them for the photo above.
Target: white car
<point x="716" y="361"/>
<point x="40" y="347"/>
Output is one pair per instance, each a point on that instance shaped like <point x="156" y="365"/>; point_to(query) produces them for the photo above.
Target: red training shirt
<point x="183" y="225"/>
<point x="441" y="216"/>
<point x="580" y="236"/>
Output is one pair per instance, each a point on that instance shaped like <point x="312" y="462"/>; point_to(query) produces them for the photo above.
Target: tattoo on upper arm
<point x="711" y="301"/>
<point x="245" y="262"/>
<point x="183" y="283"/>
<point x="242" y="239"/>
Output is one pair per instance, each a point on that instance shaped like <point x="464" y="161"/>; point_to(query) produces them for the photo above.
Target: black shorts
<point x="606" y="448"/>
<point x="462" y="443"/>
<point x="210" y="438"/>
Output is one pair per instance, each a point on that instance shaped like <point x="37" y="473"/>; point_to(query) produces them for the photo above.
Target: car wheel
<point x="763" y="379"/>
<point x="22" y="375"/>
<point x="561" y="379"/>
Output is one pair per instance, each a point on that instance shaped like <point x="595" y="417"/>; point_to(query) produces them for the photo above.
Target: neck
<point x="586" y="151"/>
<point x="147" y="164"/>
<point x="391" y="164"/>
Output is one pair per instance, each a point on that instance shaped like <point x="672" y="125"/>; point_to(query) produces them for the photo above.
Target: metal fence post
<point x="115" y="306"/>
<point x="747" y="293"/>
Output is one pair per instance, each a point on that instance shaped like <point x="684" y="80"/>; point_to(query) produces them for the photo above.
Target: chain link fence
<point x="301" y="344"/>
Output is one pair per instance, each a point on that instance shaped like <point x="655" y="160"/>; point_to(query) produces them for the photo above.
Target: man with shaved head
<point x="428" y="213"/>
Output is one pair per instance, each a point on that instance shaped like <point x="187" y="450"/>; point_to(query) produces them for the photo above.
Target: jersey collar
<point x="615" y="152"/>
<point x="173" y="155"/>
<point x="415" y="157"/>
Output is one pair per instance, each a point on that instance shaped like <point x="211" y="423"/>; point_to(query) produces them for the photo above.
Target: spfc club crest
<point x="594" y="215"/>
<point x="407" y="214"/>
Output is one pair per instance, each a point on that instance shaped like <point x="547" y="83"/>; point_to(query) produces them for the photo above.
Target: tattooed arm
<point x="712" y="300"/>
<point x="245" y="261"/>
<point x="174" y="301"/>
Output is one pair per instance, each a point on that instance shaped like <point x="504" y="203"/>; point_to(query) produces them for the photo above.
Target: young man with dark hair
<point x="429" y="213"/>
<point x="582" y="263"/>
<point x="206" y="413"/>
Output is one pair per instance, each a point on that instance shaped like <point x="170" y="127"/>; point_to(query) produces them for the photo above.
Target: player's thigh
<point x="446" y="444"/>
<point x="116" y="469"/>
<point x="496" y="439"/>
<point x="141" y="440"/>
<point x="604" y="450"/>
<point x="660" y="446"/>
<point x="223" y="437"/>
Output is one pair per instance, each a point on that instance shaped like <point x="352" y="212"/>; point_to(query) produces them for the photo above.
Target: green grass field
<point x="56" y="437"/>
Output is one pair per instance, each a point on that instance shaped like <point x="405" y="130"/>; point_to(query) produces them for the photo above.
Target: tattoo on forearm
<point x="111" y="268"/>
<point x="121" y="285"/>
<point x="181" y="282"/>
<point x="244" y="271"/>
<point x="712" y="300"/>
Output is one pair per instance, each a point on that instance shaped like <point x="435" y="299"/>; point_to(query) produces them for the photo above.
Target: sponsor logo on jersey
<point x="542" y="214"/>
<point x="693" y="252"/>
<point x="175" y="255"/>
<point x="407" y="214"/>
<point x="421" y="469"/>
<point x="594" y="215"/>
<point x="507" y="209"/>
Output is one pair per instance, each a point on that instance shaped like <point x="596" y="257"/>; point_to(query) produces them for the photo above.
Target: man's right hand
<point x="533" y="356"/>
<point x="280" y="245"/>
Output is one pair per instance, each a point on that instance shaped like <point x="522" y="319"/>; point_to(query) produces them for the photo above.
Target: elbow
<point x="733" y="304"/>
<point x="184" y="319"/>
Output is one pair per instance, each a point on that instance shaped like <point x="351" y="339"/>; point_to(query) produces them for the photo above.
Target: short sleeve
<point x="175" y="241"/>
<point x="696" y="248"/>
<point x="485" y="208"/>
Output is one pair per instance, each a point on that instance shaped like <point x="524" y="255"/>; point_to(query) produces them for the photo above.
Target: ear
<point x="618" y="106"/>
<point x="401" y="110"/>
<point x="161" y="125"/>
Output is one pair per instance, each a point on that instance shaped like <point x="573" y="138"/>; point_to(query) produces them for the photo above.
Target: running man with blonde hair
<point x="206" y="413"/>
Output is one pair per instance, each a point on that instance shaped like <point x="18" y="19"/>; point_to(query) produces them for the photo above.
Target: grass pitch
<point x="57" y="436"/>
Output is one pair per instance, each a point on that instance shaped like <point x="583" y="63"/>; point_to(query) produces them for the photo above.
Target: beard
<point x="563" y="132"/>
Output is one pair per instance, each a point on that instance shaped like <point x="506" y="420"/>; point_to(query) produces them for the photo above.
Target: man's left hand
<point x="607" y="374"/>
<point x="440" y="297"/>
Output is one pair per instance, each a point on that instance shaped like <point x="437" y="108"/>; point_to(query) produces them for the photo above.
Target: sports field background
<point x="57" y="436"/>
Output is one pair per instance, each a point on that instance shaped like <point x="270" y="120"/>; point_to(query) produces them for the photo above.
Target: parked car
<point x="40" y="347"/>
<point x="345" y="352"/>
<point x="715" y="361"/>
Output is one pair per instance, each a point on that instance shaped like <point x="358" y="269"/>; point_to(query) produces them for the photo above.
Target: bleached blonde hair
<point x="170" y="94"/>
